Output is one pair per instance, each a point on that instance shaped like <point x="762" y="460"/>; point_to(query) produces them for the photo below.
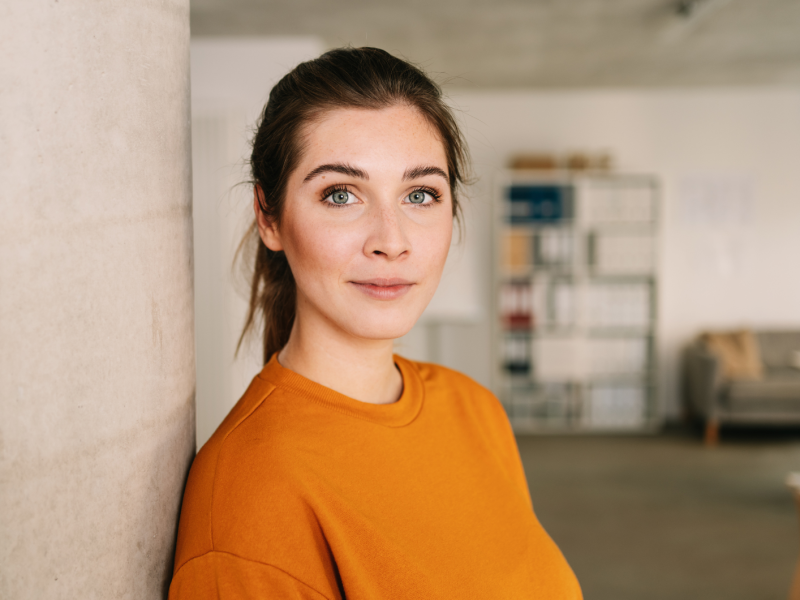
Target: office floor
<point x="663" y="518"/>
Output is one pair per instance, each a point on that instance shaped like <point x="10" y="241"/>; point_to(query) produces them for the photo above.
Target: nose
<point x="387" y="235"/>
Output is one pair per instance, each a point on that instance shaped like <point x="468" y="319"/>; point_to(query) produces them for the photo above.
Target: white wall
<point x="739" y="273"/>
<point x="231" y="80"/>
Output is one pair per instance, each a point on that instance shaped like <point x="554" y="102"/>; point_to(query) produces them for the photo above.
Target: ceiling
<point x="543" y="43"/>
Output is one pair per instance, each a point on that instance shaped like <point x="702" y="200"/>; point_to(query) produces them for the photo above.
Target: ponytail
<point x="273" y="295"/>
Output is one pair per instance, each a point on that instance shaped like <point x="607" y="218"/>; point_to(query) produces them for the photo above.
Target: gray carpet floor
<point x="664" y="518"/>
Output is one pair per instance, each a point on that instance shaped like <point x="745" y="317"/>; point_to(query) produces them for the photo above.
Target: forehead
<point x="398" y="132"/>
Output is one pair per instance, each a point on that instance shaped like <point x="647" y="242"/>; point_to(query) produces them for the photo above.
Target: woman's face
<point x="367" y="221"/>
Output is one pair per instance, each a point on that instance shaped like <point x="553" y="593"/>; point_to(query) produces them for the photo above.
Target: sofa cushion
<point x="778" y="347"/>
<point x="778" y="391"/>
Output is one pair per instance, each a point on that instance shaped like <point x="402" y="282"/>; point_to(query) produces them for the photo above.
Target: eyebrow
<point x="423" y="171"/>
<point x="341" y="168"/>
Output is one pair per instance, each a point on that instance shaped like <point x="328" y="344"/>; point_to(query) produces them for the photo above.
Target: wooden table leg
<point x="712" y="431"/>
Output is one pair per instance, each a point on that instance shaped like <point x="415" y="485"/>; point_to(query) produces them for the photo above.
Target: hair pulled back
<point x="366" y="78"/>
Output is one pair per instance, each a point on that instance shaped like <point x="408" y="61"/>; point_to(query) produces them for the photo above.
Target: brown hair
<point x="344" y="78"/>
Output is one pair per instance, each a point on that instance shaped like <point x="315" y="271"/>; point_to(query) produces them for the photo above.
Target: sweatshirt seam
<point x="258" y="562"/>
<point x="351" y="413"/>
<point x="219" y="453"/>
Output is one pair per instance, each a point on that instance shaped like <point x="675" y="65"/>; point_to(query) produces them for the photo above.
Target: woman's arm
<point x="223" y="576"/>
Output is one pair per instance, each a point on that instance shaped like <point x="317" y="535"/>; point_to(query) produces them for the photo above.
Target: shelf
<point x="589" y="332"/>
<point x="588" y="284"/>
<point x="612" y="332"/>
<point x="533" y="272"/>
<point x="533" y="427"/>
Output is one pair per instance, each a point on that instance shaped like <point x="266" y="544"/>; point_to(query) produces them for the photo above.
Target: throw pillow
<point x="738" y="351"/>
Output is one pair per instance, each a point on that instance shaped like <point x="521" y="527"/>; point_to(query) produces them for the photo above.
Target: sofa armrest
<point x="704" y="373"/>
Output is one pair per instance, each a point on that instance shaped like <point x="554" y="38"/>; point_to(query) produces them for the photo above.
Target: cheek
<point x="317" y="252"/>
<point x="433" y="244"/>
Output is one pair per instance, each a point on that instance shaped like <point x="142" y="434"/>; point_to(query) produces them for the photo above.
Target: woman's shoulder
<point x="254" y="430"/>
<point x="241" y="475"/>
<point x="437" y="377"/>
<point x="451" y="390"/>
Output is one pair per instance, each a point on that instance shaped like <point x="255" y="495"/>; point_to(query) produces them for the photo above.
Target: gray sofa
<point x="775" y="398"/>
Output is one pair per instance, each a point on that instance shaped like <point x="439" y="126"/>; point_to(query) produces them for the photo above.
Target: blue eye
<point x="417" y="197"/>
<point x="340" y="197"/>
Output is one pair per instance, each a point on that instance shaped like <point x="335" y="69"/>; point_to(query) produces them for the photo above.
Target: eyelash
<point x="437" y="197"/>
<point x="332" y="190"/>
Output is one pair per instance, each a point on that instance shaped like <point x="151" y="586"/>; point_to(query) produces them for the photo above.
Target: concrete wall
<point x="718" y="270"/>
<point x="96" y="311"/>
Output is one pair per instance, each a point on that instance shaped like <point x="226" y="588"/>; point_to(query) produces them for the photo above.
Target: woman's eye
<point x="418" y="197"/>
<point x="341" y="197"/>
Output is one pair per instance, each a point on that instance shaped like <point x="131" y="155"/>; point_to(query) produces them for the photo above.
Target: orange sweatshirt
<point x="305" y="493"/>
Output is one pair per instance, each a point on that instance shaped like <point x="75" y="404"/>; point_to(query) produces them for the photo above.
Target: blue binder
<point x="539" y="203"/>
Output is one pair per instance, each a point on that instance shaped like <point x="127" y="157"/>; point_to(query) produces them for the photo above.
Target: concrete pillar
<point x="96" y="312"/>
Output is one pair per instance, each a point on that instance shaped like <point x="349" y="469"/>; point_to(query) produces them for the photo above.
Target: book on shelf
<point x="517" y="305"/>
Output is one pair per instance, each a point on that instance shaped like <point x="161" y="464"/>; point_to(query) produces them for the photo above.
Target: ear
<point x="267" y="228"/>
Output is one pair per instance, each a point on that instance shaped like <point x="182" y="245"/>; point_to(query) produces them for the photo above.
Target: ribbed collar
<point x="397" y="414"/>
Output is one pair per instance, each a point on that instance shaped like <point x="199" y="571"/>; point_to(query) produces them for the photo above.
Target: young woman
<point x="346" y="471"/>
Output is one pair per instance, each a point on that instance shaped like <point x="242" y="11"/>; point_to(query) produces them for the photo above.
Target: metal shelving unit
<point x="576" y="284"/>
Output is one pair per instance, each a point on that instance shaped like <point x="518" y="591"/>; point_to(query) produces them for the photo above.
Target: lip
<point x="384" y="289"/>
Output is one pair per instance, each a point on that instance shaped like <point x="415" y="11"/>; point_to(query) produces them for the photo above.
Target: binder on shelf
<point x="553" y="247"/>
<point x="545" y="203"/>
<point x="516" y="306"/>
<point x="517" y="250"/>
<point x="516" y="354"/>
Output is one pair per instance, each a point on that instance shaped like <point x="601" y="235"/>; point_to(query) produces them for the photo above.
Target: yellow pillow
<point x="738" y="351"/>
<point x="795" y="359"/>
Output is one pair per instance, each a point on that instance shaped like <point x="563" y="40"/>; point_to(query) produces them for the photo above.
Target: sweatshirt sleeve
<point x="507" y="446"/>
<point x="223" y="576"/>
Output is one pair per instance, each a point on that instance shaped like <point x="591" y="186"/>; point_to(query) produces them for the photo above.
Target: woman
<point x="345" y="471"/>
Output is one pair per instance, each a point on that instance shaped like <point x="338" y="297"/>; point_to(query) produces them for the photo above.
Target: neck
<point x="360" y="368"/>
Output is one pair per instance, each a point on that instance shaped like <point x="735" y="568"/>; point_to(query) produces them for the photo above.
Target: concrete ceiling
<point x="543" y="43"/>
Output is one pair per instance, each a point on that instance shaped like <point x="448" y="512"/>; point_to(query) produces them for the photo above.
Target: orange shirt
<point x="303" y="492"/>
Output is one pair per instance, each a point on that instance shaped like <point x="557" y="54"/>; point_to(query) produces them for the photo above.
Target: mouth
<point x="383" y="289"/>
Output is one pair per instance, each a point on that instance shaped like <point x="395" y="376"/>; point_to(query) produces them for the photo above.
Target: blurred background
<point x="627" y="277"/>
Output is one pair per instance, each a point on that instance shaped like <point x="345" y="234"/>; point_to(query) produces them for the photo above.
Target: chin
<point x="382" y="324"/>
